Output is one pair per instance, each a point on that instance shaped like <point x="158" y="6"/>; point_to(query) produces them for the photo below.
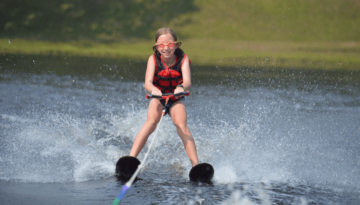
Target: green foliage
<point x="297" y="20"/>
<point x="96" y="19"/>
<point x="278" y="33"/>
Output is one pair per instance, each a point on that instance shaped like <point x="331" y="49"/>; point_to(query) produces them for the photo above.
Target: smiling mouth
<point x="166" y="53"/>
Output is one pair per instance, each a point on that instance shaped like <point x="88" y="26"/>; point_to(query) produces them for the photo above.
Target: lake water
<point x="274" y="136"/>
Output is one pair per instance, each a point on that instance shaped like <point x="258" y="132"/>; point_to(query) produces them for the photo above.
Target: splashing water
<point x="63" y="129"/>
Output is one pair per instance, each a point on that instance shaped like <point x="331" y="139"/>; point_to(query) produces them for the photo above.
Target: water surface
<point x="283" y="136"/>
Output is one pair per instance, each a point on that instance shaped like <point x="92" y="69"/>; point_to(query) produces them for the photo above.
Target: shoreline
<point x="211" y="52"/>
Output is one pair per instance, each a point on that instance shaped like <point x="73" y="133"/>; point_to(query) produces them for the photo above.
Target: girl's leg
<point x="179" y="117"/>
<point x="153" y="117"/>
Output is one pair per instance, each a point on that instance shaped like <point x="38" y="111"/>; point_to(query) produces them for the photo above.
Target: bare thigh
<point x="154" y="111"/>
<point x="178" y="113"/>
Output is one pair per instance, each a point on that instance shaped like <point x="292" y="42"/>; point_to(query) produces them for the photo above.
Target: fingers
<point x="156" y="91"/>
<point x="178" y="90"/>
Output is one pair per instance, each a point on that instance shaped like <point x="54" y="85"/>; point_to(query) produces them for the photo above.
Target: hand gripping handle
<point x="168" y="95"/>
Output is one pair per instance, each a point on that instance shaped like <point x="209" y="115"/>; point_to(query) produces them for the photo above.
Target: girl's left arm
<point x="186" y="74"/>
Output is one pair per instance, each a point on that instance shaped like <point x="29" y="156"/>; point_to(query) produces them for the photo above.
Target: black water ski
<point x="126" y="167"/>
<point x="203" y="172"/>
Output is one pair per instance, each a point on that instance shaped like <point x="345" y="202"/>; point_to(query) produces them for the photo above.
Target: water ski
<point x="203" y="172"/>
<point x="126" y="167"/>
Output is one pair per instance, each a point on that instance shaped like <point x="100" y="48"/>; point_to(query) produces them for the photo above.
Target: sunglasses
<point x="162" y="45"/>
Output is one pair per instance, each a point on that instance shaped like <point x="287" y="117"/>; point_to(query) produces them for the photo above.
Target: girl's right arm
<point x="149" y="77"/>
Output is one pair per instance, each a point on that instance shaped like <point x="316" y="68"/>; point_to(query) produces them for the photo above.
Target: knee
<point x="181" y="126"/>
<point x="152" y="122"/>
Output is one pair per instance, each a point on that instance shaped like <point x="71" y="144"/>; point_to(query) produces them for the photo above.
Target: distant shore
<point x="213" y="52"/>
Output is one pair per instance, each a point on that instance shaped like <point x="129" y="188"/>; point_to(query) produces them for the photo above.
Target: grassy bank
<point x="246" y="20"/>
<point x="272" y="33"/>
<point x="205" y="52"/>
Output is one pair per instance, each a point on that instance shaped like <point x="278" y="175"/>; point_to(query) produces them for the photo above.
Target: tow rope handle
<point x="168" y="95"/>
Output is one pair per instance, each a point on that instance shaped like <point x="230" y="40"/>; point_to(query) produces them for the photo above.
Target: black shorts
<point x="170" y="104"/>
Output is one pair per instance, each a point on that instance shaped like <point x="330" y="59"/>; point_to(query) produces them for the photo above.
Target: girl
<point x="168" y="71"/>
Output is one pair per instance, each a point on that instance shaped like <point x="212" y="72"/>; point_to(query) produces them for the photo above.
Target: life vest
<point x="167" y="78"/>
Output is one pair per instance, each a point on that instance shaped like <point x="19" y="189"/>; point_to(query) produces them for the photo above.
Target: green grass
<point x="272" y="33"/>
<point x="273" y="20"/>
<point x="205" y="52"/>
<point x="112" y="20"/>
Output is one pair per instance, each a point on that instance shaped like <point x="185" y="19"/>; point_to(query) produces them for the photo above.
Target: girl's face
<point x="166" y="46"/>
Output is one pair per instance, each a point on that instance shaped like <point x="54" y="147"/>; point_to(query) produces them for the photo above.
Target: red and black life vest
<point x="167" y="78"/>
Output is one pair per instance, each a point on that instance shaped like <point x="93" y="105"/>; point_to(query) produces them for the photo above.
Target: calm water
<point x="274" y="136"/>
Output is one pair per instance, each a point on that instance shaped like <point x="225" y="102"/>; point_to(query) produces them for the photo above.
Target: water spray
<point x="128" y="184"/>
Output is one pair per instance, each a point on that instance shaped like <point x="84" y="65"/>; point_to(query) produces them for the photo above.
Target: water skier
<point x="168" y="71"/>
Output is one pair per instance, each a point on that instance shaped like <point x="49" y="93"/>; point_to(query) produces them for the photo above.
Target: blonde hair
<point x="163" y="31"/>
